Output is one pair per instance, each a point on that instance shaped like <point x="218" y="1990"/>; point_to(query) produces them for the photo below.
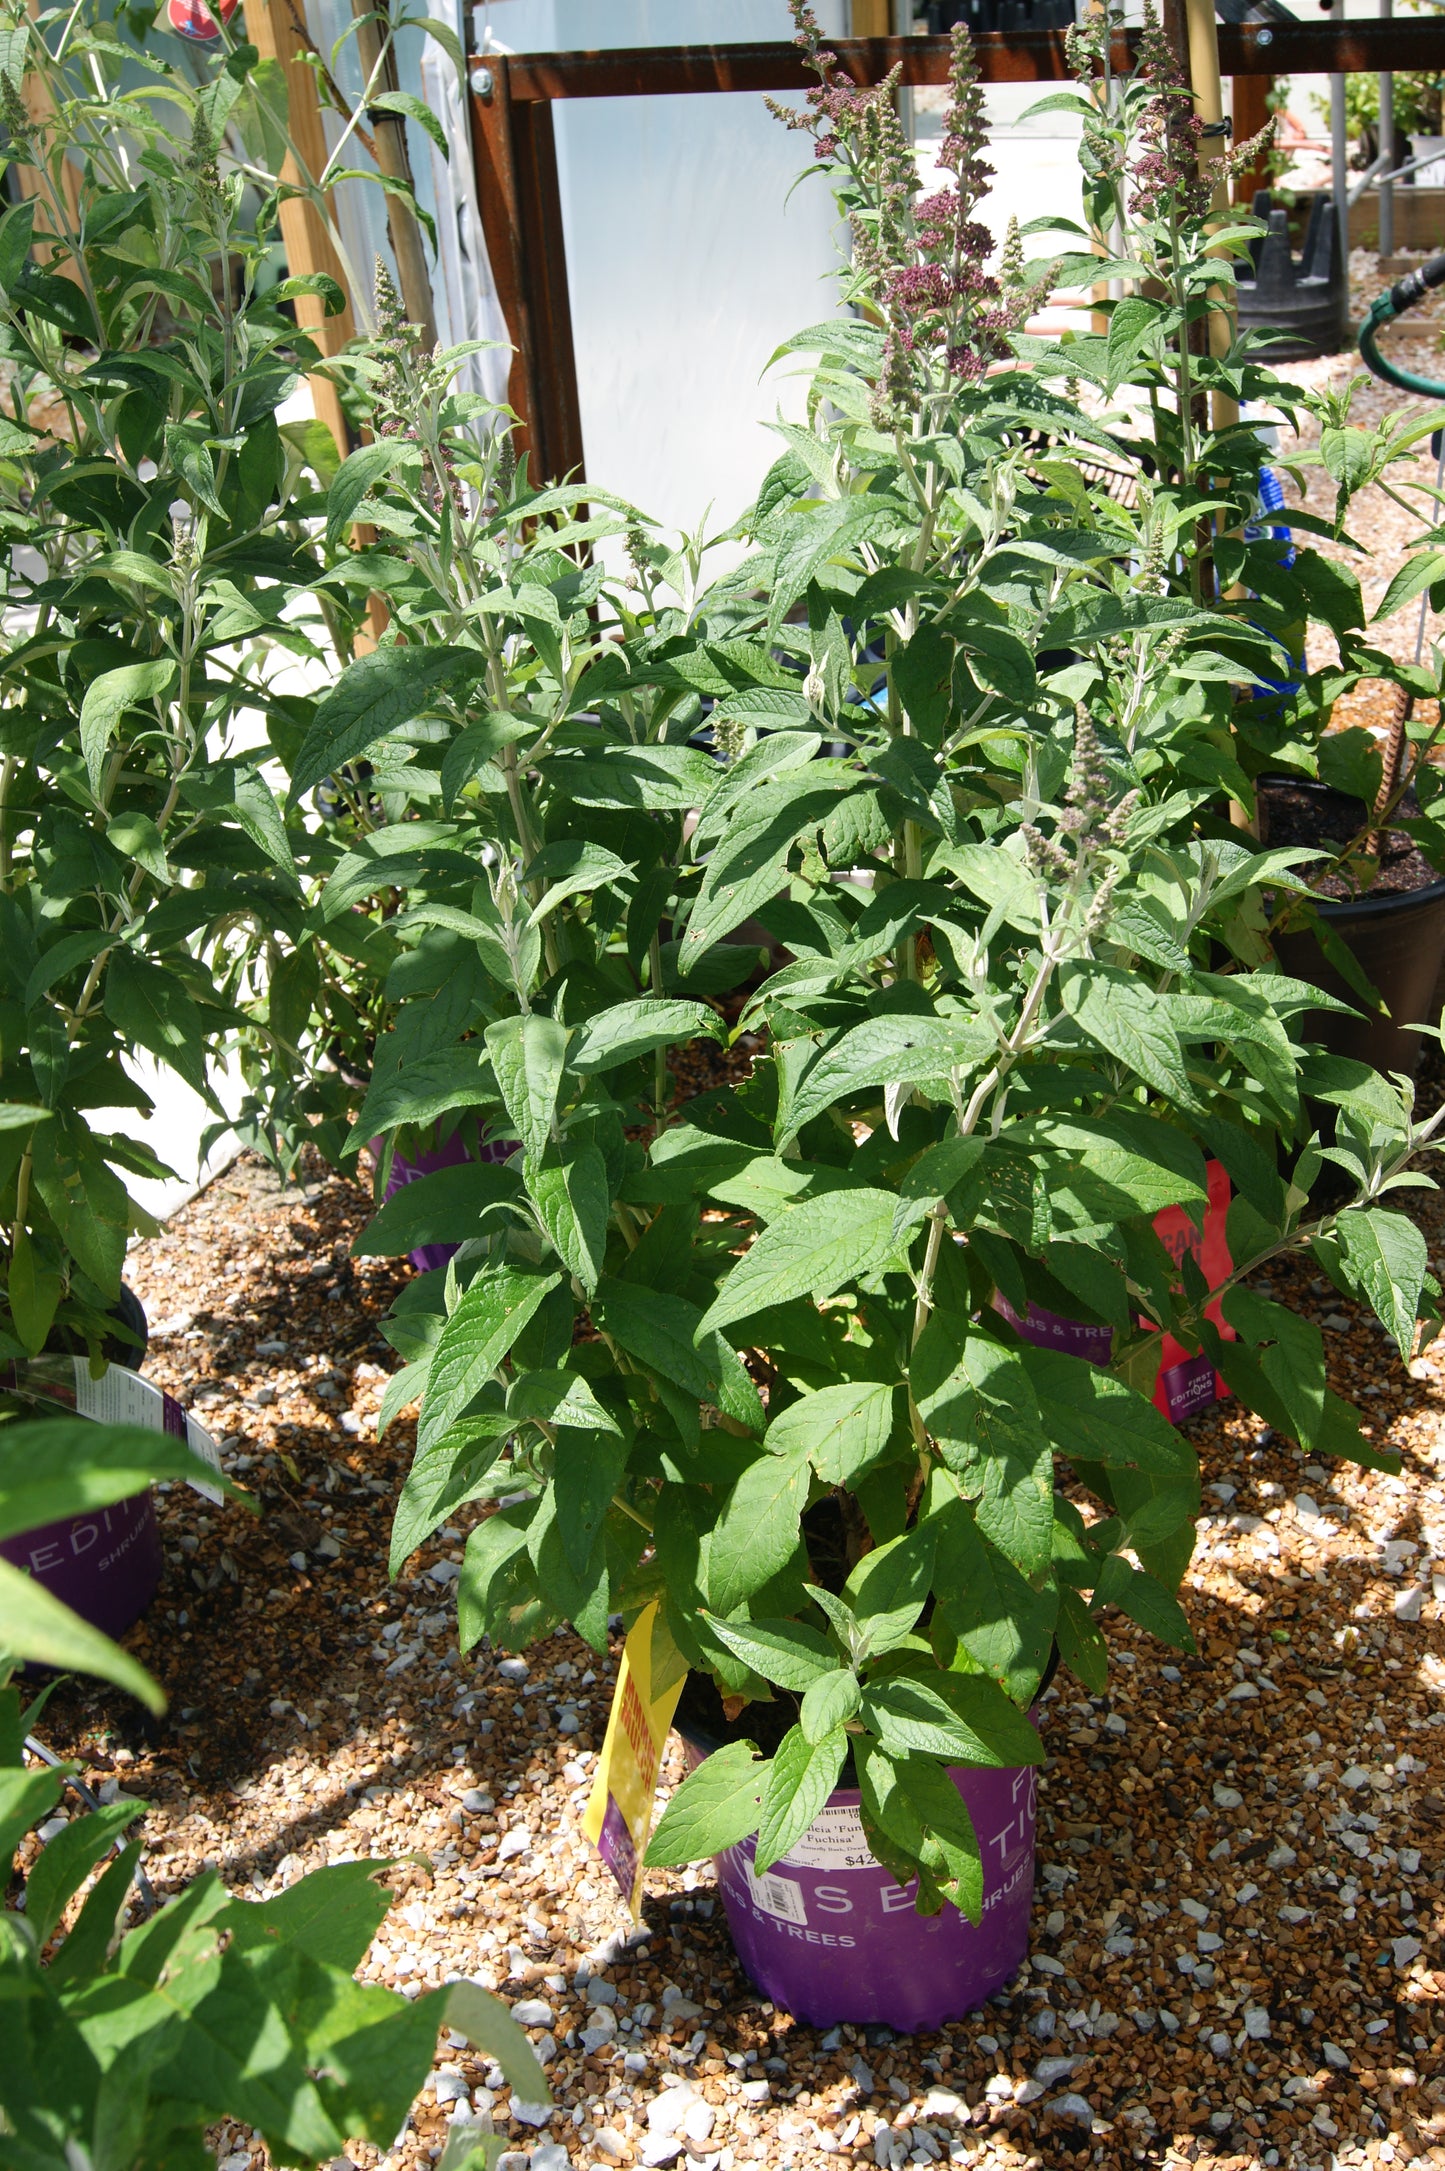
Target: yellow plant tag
<point x="619" y="1811"/>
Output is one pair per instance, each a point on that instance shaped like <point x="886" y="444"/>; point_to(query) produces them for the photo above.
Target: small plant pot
<point x="455" y="1152"/>
<point x="1186" y="1381"/>
<point x="105" y="1566"/>
<point x="1398" y="939"/>
<point x="829" y="1935"/>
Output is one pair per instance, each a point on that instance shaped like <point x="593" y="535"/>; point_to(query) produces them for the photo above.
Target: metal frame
<point x="516" y="152"/>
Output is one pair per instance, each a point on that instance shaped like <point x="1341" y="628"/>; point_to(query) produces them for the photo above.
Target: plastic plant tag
<point x="620" y="1809"/>
<point x="121" y="1397"/>
<point x="1185" y="1383"/>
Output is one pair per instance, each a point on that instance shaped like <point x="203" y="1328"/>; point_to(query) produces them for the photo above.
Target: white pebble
<point x="1408" y="1603"/>
<point x="698" y="2123"/>
<point x="514" y="1669"/>
<point x="517" y="1841"/>
<point x="477" y="1803"/>
<point x="1405" y="1949"/>
<point x="1194" y="1909"/>
<point x="551" y="2156"/>
<point x="1339" y="2059"/>
<point x="532" y="2013"/>
<point x="1227" y="1797"/>
<point x="660" y="2149"/>
<point x="530" y="2114"/>
<point x="1356" y="1777"/>
<point x="601" y="1992"/>
<point x="1256" y="2024"/>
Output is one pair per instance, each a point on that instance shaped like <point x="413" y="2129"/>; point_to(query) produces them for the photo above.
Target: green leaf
<point x="38" y="1628"/>
<point x="560" y="1398"/>
<point x="527" y="1055"/>
<point x="486" y="2022"/>
<point x="1384" y="1259"/>
<point x="757" y="1533"/>
<point x="802" y="1776"/>
<point x="1094" y="1415"/>
<point x="568" y="869"/>
<point x="375" y="695"/>
<point x="1081" y="1645"/>
<point x="137" y="838"/>
<point x="489" y="1316"/>
<point x="150" y="1008"/>
<point x="415" y="109"/>
<point x="785" y="1652"/>
<point x="34" y="1292"/>
<point x="633" y="1029"/>
<point x="587" y="1470"/>
<point x="665" y="1333"/>
<point x="887" y="1051"/>
<point x="1003" y="1623"/>
<point x="829" y="1703"/>
<point x="716" y="1806"/>
<point x="933" y="1175"/>
<point x="106" y="700"/>
<point x="331" y="1914"/>
<point x="64" y="1466"/>
<point x="85" y="1199"/>
<point x="444" y="1208"/>
<point x="1122" y="1015"/>
<point x="444" y="1476"/>
<point x="25" y="1797"/>
<point x="355" y="478"/>
<point x="571" y="1194"/>
<point x="960" y="1718"/>
<point x="814" y="1250"/>
<point x="888" y="1590"/>
<point x="840" y="1429"/>
<point x="1145" y="1601"/>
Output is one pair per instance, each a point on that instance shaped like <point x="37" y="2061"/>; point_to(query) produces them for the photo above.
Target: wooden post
<point x="308" y="244"/>
<point x="393" y="159"/>
<point x="872" y="19"/>
<point x="1251" y="111"/>
<point x="1208" y="88"/>
<point x="521" y="207"/>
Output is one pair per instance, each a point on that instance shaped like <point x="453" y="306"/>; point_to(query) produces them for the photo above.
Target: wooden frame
<point x="516" y="153"/>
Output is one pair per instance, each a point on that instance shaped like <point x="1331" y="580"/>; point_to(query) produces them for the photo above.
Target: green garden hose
<point x="1401" y="296"/>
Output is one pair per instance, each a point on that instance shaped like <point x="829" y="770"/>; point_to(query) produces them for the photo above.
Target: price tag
<point x="619" y="1813"/>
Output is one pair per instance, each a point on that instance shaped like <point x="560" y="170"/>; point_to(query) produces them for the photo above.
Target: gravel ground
<point x="1236" y="1949"/>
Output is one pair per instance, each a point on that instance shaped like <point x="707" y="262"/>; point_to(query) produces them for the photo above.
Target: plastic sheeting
<point x="688" y="259"/>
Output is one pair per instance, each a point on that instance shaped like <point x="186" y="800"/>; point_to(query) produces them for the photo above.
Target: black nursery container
<point x="1399" y="940"/>
<point x="1305" y="297"/>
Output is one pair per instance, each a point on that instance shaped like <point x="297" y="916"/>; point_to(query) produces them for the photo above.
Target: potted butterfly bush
<point x="749" y="1361"/>
<point x="149" y="495"/>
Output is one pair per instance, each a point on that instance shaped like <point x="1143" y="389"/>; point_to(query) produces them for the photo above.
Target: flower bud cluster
<point x="919" y="261"/>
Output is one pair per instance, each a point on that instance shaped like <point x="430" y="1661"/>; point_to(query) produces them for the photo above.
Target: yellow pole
<point x="1208" y="87"/>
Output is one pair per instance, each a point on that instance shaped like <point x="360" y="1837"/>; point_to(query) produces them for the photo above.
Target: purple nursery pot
<point x="830" y="1937"/>
<point x="106" y="1567"/>
<point x="454" y="1152"/>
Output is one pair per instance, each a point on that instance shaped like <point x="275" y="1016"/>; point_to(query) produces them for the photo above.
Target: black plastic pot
<point x="1399" y="941"/>
<point x="1303" y="297"/>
